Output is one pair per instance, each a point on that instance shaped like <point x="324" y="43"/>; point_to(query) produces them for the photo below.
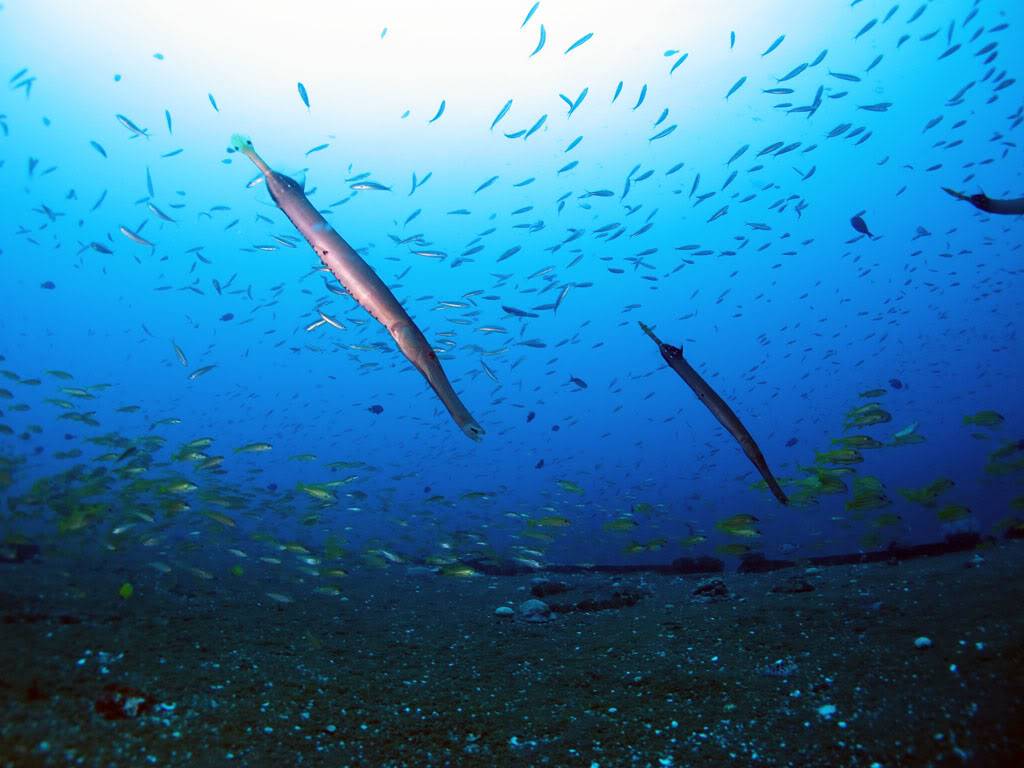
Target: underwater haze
<point x="632" y="296"/>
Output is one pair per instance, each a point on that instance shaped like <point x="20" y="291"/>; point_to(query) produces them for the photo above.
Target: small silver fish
<point x="136" y="131"/>
<point x="135" y="237"/>
<point x="160" y="214"/>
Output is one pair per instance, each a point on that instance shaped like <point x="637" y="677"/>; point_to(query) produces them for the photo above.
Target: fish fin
<point x="979" y="201"/>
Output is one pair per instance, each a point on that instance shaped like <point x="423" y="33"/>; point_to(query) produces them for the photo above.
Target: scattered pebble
<point x="543" y="587"/>
<point x="710" y="591"/>
<point x="778" y="668"/>
<point x="793" y="585"/>
<point x="535" y="611"/>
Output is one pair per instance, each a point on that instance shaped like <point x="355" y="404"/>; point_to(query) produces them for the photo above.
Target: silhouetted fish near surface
<point x="518" y="312"/>
<point x="135" y="130"/>
<point x="578" y="382"/>
<point x="983" y="202"/>
<point x="861" y="226"/>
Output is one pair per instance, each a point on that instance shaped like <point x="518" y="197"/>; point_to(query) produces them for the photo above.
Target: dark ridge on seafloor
<point x="18" y="553"/>
<point x="752" y="563"/>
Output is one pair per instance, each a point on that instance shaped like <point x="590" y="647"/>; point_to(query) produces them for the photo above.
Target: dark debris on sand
<point x="412" y="669"/>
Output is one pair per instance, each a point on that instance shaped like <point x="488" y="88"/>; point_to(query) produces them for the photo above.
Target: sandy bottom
<point x="410" y="669"/>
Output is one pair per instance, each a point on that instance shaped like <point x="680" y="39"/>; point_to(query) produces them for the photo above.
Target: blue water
<point x="780" y="303"/>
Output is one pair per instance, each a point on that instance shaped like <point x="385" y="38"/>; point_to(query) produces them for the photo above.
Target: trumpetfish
<point x="719" y="409"/>
<point x="362" y="283"/>
<point x="983" y="202"/>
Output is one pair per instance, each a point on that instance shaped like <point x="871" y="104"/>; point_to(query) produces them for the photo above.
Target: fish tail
<point x="778" y="492"/>
<point x="243" y="144"/>
<point x="757" y="459"/>
<point x="954" y="193"/>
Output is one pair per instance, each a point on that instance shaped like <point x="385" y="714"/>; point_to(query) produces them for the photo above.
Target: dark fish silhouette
<point x="983" y="202"/>
<point x="861" y="226"/>
<point x="719" y="409"/>
<point x="378" y="409"/>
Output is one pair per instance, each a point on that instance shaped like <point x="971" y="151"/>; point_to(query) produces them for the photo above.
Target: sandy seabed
<point x="413" y="669"/>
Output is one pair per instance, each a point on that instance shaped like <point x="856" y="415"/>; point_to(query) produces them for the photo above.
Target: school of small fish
<point x="527" y="279"/>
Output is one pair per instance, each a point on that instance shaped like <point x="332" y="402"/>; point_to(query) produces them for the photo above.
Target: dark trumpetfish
<point x="363" y="283"/>
<point x="719" y="408"/>
<point x="985" y="203"/>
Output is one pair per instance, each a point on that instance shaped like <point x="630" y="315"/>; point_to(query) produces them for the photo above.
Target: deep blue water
<point x="785" y="308"/>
